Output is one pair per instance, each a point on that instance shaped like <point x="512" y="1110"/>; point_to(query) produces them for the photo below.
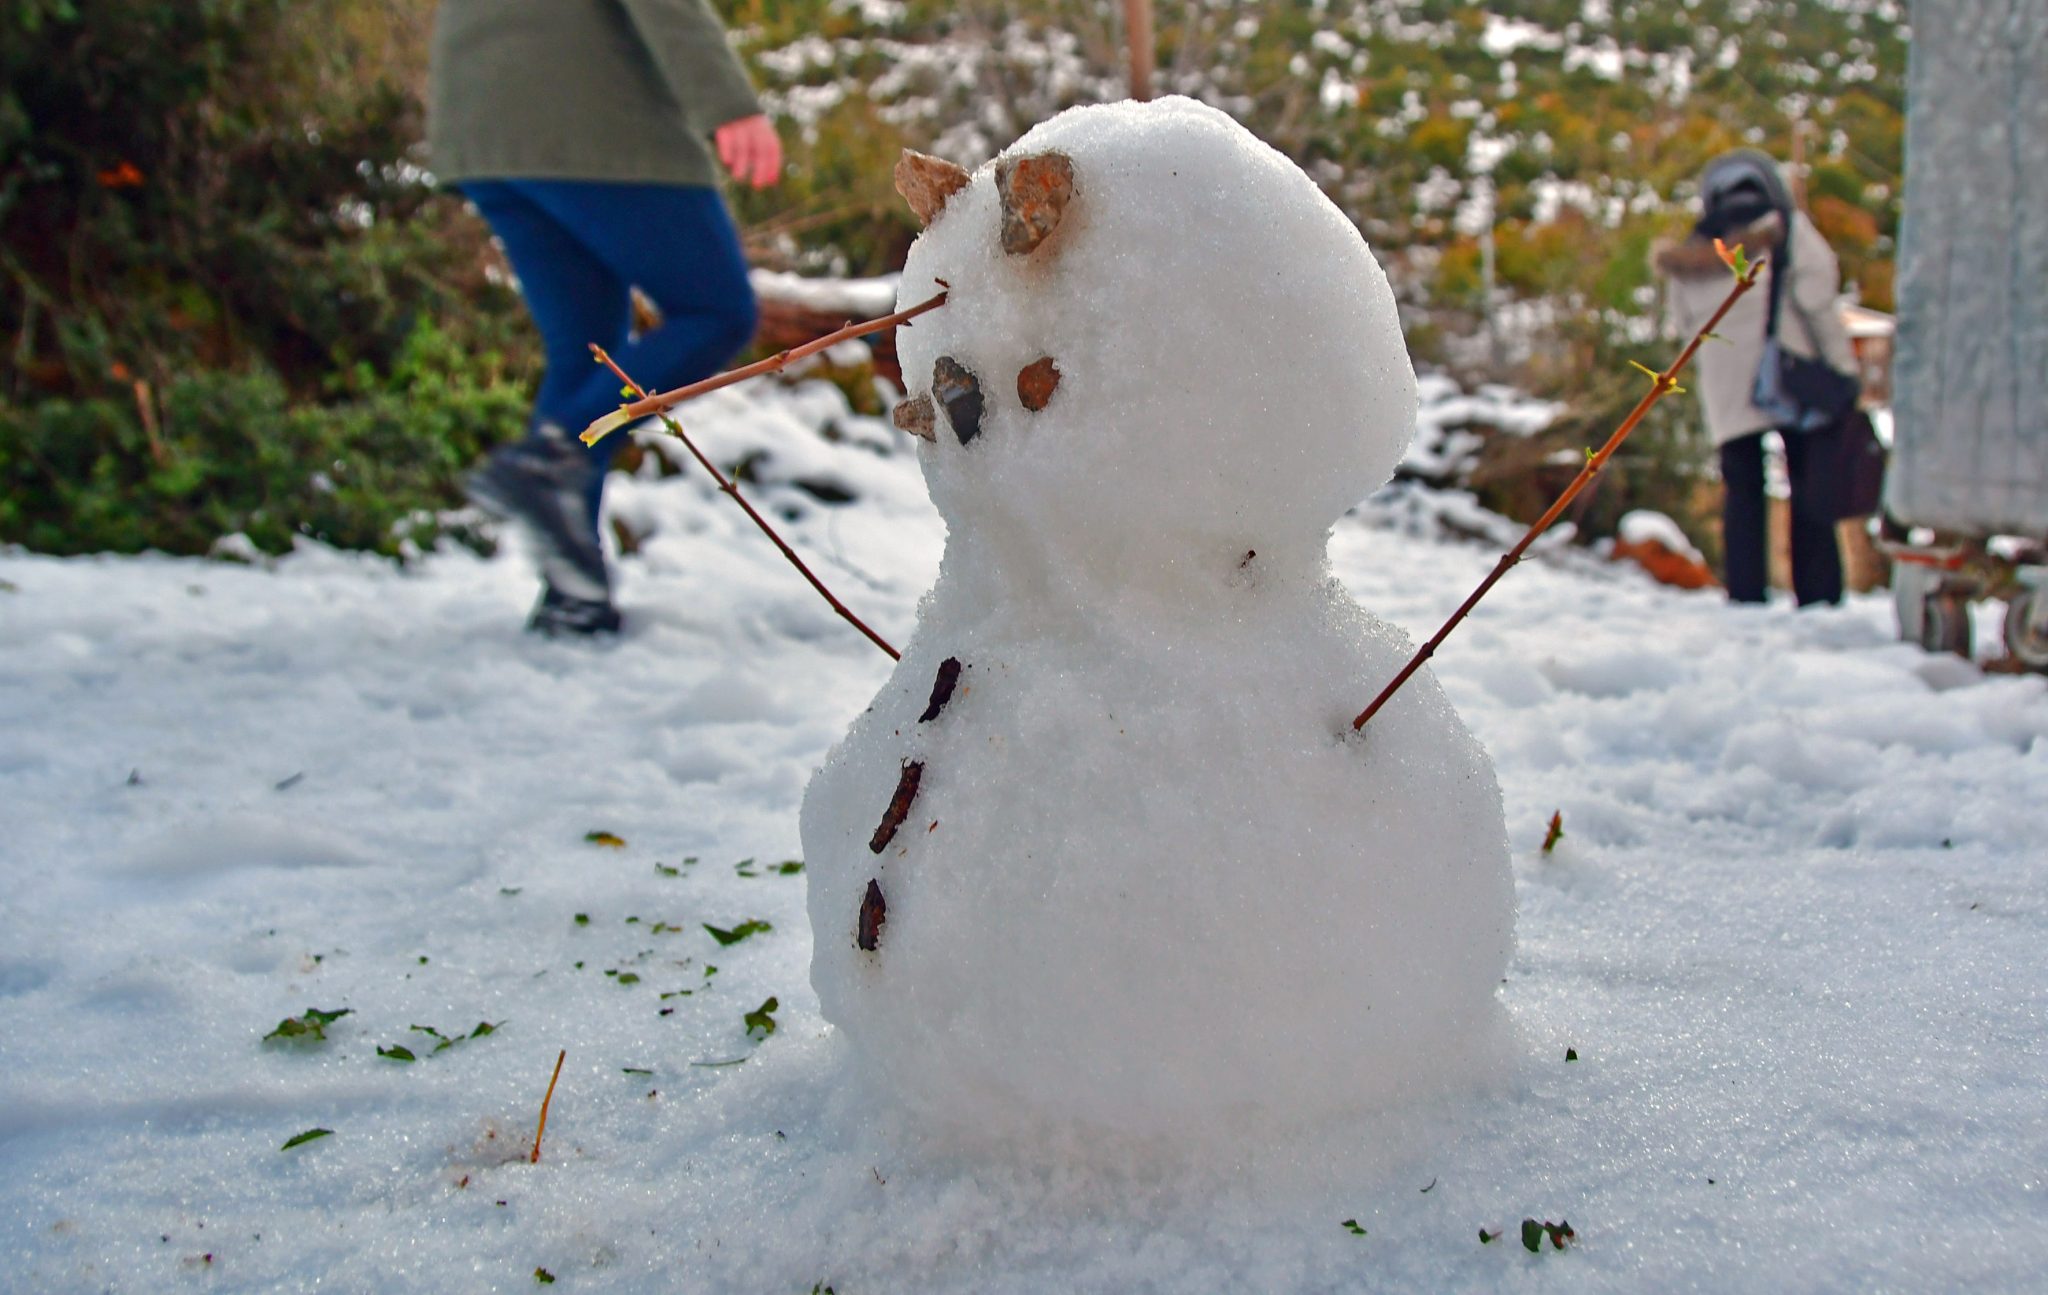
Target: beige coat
<point x="1724" y="371"/>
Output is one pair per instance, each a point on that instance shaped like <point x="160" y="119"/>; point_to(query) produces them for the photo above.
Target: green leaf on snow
<point x="1534" y="1232"/>
<point x="308" y="1027"/>
<point x="745" y="929"/>
<point x="443" y="1042"/>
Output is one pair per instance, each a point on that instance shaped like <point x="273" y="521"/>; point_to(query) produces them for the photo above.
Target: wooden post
<point x="1487" y="276"/>
<point x="1138" y="35"/>
<point x="1798" y="177"/>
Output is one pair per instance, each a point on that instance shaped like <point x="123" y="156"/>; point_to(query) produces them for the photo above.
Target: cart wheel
<point x="1945" y="624"/>
<point x="1912" y="585"/>
<point x="2026" y="629"/>
<point x="1932" y="613"/>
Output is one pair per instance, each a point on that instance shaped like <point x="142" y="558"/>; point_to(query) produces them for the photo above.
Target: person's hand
<point x="750" y="150"/>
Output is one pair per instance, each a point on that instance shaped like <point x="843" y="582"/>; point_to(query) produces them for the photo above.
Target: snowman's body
<point x="1143" y="877"/>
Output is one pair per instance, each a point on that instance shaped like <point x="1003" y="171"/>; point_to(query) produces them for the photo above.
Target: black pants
<point x="1810" y="460"/>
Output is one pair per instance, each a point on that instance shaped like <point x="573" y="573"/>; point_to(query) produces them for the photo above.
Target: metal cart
<point x="1966" y="498"/>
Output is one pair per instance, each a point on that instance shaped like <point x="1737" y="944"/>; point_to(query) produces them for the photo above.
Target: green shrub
<point x="233" y="300"/>
<point x="233" y="452"/>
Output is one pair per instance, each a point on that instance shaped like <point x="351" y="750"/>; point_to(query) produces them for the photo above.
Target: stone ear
<point x="1035" y="191"/>
<point x="927" y="183"/>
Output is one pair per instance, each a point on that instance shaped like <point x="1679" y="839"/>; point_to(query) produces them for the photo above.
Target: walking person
<point x="578" y="129"/>
<point x="1744" y="200"/>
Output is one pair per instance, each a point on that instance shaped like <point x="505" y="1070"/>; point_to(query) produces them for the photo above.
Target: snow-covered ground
<point x="1795" y="934"/>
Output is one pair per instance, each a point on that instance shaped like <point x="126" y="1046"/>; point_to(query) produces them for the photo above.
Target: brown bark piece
<point x="1035" y="191"/>
<point x="959" y="394"/>
<point x="899" y="806"/>
<point x="1036" y="382"/>
<point x="917" y="417"/>
<point x="942" y="689"/>
<point x="927" y="183"/>
<point x="874" y="910"/>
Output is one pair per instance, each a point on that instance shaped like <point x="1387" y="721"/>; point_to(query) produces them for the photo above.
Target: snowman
<point x="1104" y="853"/>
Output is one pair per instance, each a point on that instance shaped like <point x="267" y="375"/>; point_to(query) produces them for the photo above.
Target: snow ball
<point x="1231" y="367"/>
<point x="1104" y="853"/>
<point x="1643" y="526"/>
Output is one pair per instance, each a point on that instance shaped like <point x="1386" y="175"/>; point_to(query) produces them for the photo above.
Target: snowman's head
<point x="1161" y="345"/>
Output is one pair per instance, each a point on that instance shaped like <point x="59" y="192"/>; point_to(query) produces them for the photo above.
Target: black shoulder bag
<point x="1797" y="393"/>
<point x="1809" y="396"/>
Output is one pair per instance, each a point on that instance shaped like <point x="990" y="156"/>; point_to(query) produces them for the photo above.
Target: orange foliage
<point x="1844" y="223"/>
<point x="1874" y="280"/>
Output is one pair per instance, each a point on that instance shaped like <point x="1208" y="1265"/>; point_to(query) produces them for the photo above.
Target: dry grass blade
<point x="545" y="1102"/>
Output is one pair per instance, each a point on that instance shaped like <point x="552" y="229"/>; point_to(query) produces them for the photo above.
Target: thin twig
<point x="796" y="222"/>
<point x="656" y="403"/>
<point x="725" y="484"/>
<point x="1661" y="384"/>
<point x="537" y="1133"/>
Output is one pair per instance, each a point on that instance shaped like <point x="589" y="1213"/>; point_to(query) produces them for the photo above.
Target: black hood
<point x="1739" y="188"/>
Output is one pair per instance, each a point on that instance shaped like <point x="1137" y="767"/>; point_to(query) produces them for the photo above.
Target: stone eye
<point x="1036" y="382"/>
<point x="958" y="392"/>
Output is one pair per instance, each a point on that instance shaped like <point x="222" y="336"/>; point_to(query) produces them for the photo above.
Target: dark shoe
<point x="558" y="613"/>
<point x="542" y="483"/>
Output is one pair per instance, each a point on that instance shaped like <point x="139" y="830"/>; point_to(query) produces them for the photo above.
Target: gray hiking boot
<point x="542" y="484"/>
<point x="557" y="613"/>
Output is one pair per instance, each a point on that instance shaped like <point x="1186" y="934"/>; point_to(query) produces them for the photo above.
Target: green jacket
<point x="626" y="90"/>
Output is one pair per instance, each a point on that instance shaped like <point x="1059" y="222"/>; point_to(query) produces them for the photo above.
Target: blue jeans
<point x="578" y="247"/>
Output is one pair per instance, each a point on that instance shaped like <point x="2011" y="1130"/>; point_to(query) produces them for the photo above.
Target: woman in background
<point x="579" y="130"/>
<point x="1744" y="200"/>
